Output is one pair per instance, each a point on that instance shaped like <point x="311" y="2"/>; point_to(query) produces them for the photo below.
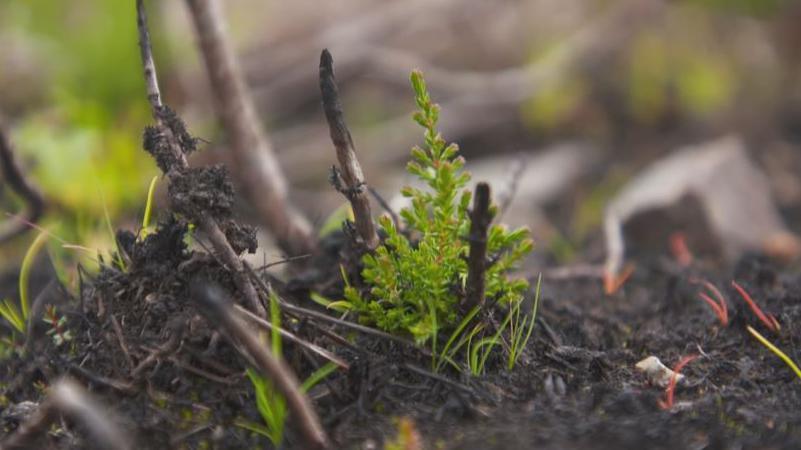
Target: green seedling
<point x="783" y="356"/>
<point x="149" y="204"/>
<point x="18" y="316"/>
<point x="417" y="276"/>
<point x="269" y="401"/>
<point x="520" y="330"/>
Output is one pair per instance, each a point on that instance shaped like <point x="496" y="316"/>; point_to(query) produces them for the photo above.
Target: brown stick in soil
<point x="255" y="164"/>
<point x="12" y="173"/>
<point x="480" y="219"/>
<point x="206" y="224"/>
<point x="218" y="310"/>
<point x="70" y="399"/>
<point x="349" y="168"/>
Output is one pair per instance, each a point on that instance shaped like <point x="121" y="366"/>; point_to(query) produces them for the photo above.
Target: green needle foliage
<point x="417" y="277"/>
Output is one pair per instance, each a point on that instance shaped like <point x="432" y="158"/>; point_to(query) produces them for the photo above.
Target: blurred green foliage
<point x="82" y="141"/>
<point x="664" y="74"/>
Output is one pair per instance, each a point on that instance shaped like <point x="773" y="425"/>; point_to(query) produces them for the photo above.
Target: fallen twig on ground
<point x="217" y="309"/>
<point x="68" y="398"/>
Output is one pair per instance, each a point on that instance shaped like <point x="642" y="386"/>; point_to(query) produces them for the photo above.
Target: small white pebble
<point x="658" y="374"/>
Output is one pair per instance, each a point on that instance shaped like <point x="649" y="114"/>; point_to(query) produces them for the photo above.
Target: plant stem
<point x="480" y="219"/>
<point x="351" y="171"/>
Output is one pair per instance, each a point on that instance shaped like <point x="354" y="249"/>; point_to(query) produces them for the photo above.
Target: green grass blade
<point x="25" y="273"/>
<point x="318" y="376"/>
<point x="456" y="334"/>
<point x="149" y="204"/>
<point x="275" y="321"/>
<point x="783" y="356"/>
<point x="10" y="312"/>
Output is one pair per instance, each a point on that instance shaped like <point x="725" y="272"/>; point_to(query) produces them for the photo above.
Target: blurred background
<point x="562" y="102"/>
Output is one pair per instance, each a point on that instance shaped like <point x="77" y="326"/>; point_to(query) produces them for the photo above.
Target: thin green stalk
<point x="783" y="356"/>
<point x="149" y="204"/>
<point x="25" y="273"/>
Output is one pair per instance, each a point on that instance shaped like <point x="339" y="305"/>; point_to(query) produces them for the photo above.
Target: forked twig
<point x="350" y="170"/>
<point x="70" y="399"/>
<point x="217" y="309"/>
<point x="480" y="219"/>
<point x="12" y="173"/>
<point x="252" y="154"/>
<point x="206" y="223"/>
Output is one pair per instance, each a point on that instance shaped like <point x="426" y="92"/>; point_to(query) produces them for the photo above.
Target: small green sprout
<point x="18" y="316"/>
<point x="783" y="356"/>
<point x="269" y="401"/>
<point x="417" y="276"/>
<point x="149" y="204"/>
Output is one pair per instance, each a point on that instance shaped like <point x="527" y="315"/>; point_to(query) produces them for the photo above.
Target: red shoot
<point x="667" y="403"/>
<point x="679" y="249"/>
<point x="613" y="282"/>
<point x="718" y="305"/>
<point x="767" y="319"/>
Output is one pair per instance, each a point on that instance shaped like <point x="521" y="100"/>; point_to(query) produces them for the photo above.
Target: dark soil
<point x="141" y="344"/>
<point x="576" y="386"/>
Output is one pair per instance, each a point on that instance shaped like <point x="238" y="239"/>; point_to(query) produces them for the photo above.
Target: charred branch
<point x="480" y="219"/>
<point x="350" y="169"/>
<point x="168" y="136"/>
<point x="217" y="309"/>
<point x="255" y="164"/>
<point x="68" y="398"/>
<point x="13" y="175"/>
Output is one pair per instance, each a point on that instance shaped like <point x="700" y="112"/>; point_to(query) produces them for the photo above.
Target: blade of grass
<point x="149" y="204"/>
<point x="318" y="376"/>
<point x="790" y="363"/>
<point x="25" y="273"/>
<point x="10" y="312"/>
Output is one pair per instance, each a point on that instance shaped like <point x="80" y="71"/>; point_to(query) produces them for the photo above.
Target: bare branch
<point x="166" y="128"/>
<point x="70" y="399"/>
<point x="218" y="310"/>
<point x="316" y="349"/>
<point x="480" y="219"/>
<point x="351" y="171"/>
<point x="254" y="161"/>
<point x="13" y="175"/>
<point x="146" y="52"/>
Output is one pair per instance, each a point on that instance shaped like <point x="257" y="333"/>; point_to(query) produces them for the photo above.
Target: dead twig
<point x="316" y="349"/>
<point x="298" y="312"/>
<point x="216" y="307"/>
<point x="70" y="399"/>
<point x="350" y="170"/>
<point x="252" y="154"/>
<point x="178" y="162"/>
<point x="480" y="219"/>
<point x="13" y="175"/>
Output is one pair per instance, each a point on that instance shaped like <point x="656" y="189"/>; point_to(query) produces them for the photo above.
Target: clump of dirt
<point x="202" y="190"/>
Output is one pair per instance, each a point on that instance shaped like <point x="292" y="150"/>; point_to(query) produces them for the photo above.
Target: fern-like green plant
<point x="417" y="276"/>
